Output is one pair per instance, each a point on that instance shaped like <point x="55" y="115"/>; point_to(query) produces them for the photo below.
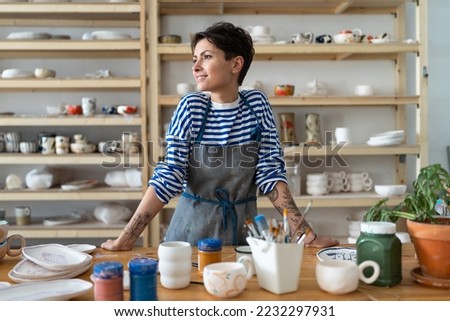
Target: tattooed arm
<point x="149" y="206"/>
<point x="281" y="198"/>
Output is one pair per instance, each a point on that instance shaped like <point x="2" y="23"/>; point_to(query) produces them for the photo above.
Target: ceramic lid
<point x="378" y="227"/>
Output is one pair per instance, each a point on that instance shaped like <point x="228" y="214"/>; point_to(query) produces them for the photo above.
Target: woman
<point x="222" y="145"/>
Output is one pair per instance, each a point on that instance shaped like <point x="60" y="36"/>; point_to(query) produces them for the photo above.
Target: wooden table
<point x="308" y="289"/>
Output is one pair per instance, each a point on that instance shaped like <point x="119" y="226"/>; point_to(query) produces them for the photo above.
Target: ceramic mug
<point x="62" y="144"/>
<point x="324" y="39"/>
<point x="88" y="105"/>
<point x="342" y="135"/>
<point x="246" y="251"/>
<point x="175" y="264"/>
<point x="23" y="215"/>
<point x="12" y="142"/>
<point x="341" y="277"/>
<point x="27" y="147"/>
<point x="227" y="279"/>
<point x="364" y="90"/>
<point x="4" y="229"/>
<point x="5" y="246"/>
<point x="258" y="30"/>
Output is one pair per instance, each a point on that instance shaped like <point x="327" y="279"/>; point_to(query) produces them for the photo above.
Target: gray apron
<point x="220" y="193"/>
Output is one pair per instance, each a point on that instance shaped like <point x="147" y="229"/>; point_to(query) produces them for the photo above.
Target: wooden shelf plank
<point x="351" y="150"/>
<point x="72" y="8"/>
<point x="72" y="120"/>
<point x="310" y="7"/>
<point x="70" y="83"/>
<point x="320" y="101"/>
<point x="70" y="159"/>
<point x="57" y="194"/>
<point x="363" y="199"/>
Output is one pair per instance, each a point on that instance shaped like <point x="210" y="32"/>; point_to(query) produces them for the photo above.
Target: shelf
<point x="79" y="230"/>
<point x="71" y="14"/>
<point x="320" y="101"/>
<point x="351" y="150"/>
<point x="98" y="120"/>
<point x="331" y="200"/>
<point x="249" y="7"/>
<point x="335" y="52"/>
<point x="57" y="194"/>
<point x="106" y="160"/>
<point x="70" y="84"/>
<point x="49" y="49"/>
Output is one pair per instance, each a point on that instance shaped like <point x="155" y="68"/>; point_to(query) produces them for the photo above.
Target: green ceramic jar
<point x="378" y="242"/>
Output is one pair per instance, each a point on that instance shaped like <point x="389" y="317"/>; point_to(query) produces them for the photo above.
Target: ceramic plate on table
<point x="27" y="271"/>
<point x="337" y="253"/>
<point x="81" y="184"/>
<point x="86" y="248"/>
<point x="55" y="256"/>
<point x="64" y="289"/>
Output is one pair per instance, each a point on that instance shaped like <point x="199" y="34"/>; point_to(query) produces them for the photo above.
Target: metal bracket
<point x="425" y="73"/>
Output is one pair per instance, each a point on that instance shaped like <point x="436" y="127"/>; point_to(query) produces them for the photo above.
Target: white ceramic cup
<point x="246" y="251"/>
<point x="342" y="135"/>
<point x="175" y="264"/>
<point x="88" y="104"/>
<point x="364" y="90"/>
<point x="184" y="88"/>
<point x="341" y="277"/>
<point x="62" y="144"/>
<point x="28" y="147"/>
<point x="227" y="279"/>
<point x="12" y="142"/>
<point x="258" y="30"/>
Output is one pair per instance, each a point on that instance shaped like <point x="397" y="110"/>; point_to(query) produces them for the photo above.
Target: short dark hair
<point x="234" y="41"/>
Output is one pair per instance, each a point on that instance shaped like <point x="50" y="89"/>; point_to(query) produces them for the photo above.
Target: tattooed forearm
<point x="138" y="224"/>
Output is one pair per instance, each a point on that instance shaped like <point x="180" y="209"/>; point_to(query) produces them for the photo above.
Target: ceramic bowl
<point x="82" y="148"/>
<point x="284" y="90"/>
<point x="28" y="147"/>
<point x="169" y="39"/>
<point x="390" y="190"/>
<point x="125" y="109"/>
<point x="44" y="73"/>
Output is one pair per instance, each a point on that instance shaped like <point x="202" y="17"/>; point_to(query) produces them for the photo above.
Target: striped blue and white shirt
<point x="227" y="124"/>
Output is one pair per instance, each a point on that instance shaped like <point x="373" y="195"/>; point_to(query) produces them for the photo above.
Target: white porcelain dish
<point x="109" y="35"/>
<point x="385" y="142"/>
<point x="389" y="134"/>
<point x="62" y="219"/>
<point x="81" y="184"/>
<point x="28" y="271"/>
<point x="86" y="248"/>
<point x="55" y="256"/>
<point x="64" y="289"/>
<point x="17" y="73"/>
<point x="390" y="190"/>
<point x="28" y="35"/>
<point x="337" y="253"/>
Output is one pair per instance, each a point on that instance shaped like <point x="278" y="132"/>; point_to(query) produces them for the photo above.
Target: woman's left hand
<point x="320" y="242"/>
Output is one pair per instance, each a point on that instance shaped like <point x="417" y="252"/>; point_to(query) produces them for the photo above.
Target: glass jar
<point x="378" y="242"/>
<point x="108" y="281"/>
<point x="209" y="251"/>
<point x="143" y="279"/>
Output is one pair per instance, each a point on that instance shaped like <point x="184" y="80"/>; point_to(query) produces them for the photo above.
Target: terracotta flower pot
<point x="432" y="245"/>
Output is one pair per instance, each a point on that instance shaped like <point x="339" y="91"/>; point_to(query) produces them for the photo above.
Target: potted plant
<point x="426" y="210"/>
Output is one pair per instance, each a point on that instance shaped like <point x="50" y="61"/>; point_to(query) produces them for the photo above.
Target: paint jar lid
<point x="210" y="245"/>
<point x="108" y="270"/>
<point x="143" y="265"/>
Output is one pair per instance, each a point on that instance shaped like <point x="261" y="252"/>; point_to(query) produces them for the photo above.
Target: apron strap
<point x="228" y="209"/>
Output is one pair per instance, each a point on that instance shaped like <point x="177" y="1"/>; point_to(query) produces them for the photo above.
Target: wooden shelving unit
<point x="395" y="52"/>
<point x="76" y="15"/>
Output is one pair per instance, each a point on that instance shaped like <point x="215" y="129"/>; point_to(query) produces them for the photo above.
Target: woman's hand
<point x="320" y="242"/>
<point x="115" y="245"/>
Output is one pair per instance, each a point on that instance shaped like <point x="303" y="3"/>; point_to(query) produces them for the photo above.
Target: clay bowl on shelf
<point x="390" y="190"/>
<point x="169" y="39"/>
<point x="284" y="90"/>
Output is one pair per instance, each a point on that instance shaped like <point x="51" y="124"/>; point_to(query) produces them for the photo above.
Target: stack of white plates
<point x="262" y="38"/>
<point x="50" y="262"/>
<point x="393" y="137"/>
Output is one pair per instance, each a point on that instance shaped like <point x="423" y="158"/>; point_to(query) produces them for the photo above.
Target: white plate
<point x="55" y="256"/>
<point x="385" y="142"/>
<point x="17" y="73"/>
<point x="76" y="185"/>
<point x="64" y="289"/>
<point x="86" y="248"/>
<point x="337" y="253"/>
<point x="28" y="271"/>
<point x="28" y="35"/>
<point x="107" y="34"/>
<point x="62" y="219"/>
<point x="4" y="284"/>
